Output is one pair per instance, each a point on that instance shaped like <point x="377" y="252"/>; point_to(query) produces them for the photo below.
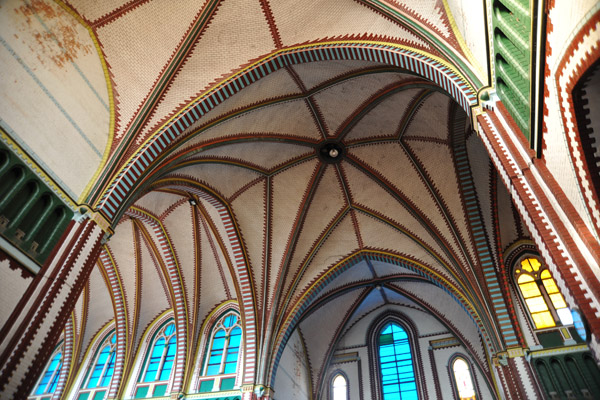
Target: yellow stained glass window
<point x="536" y="304"/>
<point x="543" y="320"/>
<point x="531" y="264"/>
<point x="558" y="301"/>
<point x="530" y="289"/>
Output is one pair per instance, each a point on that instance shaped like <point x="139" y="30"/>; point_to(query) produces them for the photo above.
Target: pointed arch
<point x="170" y="265"/>
<point x="111" y="274"/>
<point x="119" y="192"/>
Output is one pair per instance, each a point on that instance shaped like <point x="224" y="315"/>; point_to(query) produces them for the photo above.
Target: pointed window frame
<point x="217" y="370"/>
<point x="100" y="369"/>
<point x="375" y="330"/>
<point x="48" y="381"/>
<point x="158" y="363"/>
<point x="453" y="378"/>
<point x="335" y="395"/>
<point x="541" y="298"/>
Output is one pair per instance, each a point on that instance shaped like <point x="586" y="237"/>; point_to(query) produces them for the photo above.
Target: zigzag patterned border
<point x="425" y="66"/>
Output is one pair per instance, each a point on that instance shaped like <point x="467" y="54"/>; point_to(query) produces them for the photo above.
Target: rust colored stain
<point x="60" y="42"/>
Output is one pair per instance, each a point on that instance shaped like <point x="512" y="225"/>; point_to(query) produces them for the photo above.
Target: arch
<point x="119" y="192"/>
<point x="339" y="386"/>
<point x="394" y="351"/>
<point x="113" y="279"/>
<point x="462" y="378"/>
<point x="167" y="258"/>
<point x="244" y="285"/>
<point x="293" y="317"/>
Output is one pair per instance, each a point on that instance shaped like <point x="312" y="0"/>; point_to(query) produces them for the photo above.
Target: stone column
<point x="29" y="335"/>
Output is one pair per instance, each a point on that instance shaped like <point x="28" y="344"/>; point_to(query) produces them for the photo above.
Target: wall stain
<point x="60" y="44"/>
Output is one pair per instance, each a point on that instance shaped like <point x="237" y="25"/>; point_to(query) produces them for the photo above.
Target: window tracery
<point x="100" y="370"/>
<point x="222" y="354"/>
<point x="545" y="303"/>
<point x="155" y="374"/>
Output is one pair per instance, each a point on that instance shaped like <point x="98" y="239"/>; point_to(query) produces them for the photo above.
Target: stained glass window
<point x="340" y="388"/>
<point x="463" y="380"/>
<point x="49" y="379"/>
<point x="103" y="369"/>
<point x="162" y="355"/>
<point x="396" y="364"/>
<point x="220" y="363"/>
<point x="542" y="297"/>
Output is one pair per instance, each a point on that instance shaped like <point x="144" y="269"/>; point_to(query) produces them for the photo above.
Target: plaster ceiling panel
<point x="508" y="226"/>
<point x="394" y="297"/>
<point x="94" y="10"/>
<point x="313" y="74"/>
<point x="378" y="235"/>
<point x="153" y="298"/>
<point x="449" y="309"/>
<point x="218" y="231"/>
<point x="300" y="22"/>
<point x="99" y="308"/>
<point x="338" y="103"/>
<point x="291" y="119"/>
<point x="384" y="120"/>
<point x="431" y="12"/>
<point x="368" y="195"/>
<point x="179" y="225"/>
<point x="340" y="243"/>
<point x="481" y="169"/>
<point x="359" y="272"/>
<point x="371" y="302"/>
<point x="264" y="155"/>
<point x="122" y="247"/>
<point x="215" y="277"/>
<point x="431" y="119"/>
<point x="288" y="191"/>
<point x="438" y="164"/>
<point x="383" y="269"/>
<point x="226" y="179"/>
<point x="277" y="85"/>
<point x="320" y="327"/>
<point x="237" y="33"/>
<point x="327" y="202"/>
<point x="137" y="47"/>
<point x="157" y="202"/>
<point x="80" y="323"/>
<point x="250" y="211"/>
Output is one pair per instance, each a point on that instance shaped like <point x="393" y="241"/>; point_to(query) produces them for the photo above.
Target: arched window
<point x="463" y="379"/>
<point x="100" y="371"/>
<point x="158" y="363"/>
<point x="396" y="364"/>
<point x="339" y="387"/>
<point x="222" y="354"/>
<point x="546" y="305"/>
<point x="49" y="379"/>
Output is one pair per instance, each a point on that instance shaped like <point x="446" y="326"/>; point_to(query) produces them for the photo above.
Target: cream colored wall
<point x="469" y="19"/>
<point x="428" y="329"/>
<point x="292" y="380"/>
<point x="568" y="17"/>
<point x="55" y="101"/>
<point x="12" y="288"/>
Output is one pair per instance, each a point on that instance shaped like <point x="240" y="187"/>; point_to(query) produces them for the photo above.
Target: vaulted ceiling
<point x="250" y="204"/>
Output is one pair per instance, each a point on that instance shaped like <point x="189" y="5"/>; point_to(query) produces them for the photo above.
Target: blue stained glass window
<point x="103" y="369"/>
<point x="396" y="364"/>
<point x="162" y="356"/>
<point x="225" y="347"/>
<point x="50" y="379"/>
